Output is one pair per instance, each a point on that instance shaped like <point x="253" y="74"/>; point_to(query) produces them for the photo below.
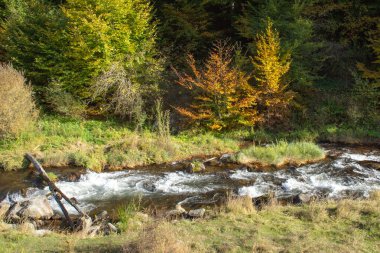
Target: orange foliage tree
<point x="222" y="97"/>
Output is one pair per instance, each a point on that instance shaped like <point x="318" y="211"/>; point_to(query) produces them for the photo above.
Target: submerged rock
<point x="149" y="186"/>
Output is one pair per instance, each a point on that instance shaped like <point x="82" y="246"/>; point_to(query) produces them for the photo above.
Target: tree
<point x="32" y="37"/>
<point x="269" y="71"/>
<point x="222" y="96"/>
<point x="296" y="34"/>
<point x="104" y="32"/>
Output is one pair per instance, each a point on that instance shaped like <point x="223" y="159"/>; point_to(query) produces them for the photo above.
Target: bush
<point x="18" y="111"/>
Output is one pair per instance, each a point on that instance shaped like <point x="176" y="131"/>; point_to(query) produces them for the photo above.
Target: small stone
<point x="225" y="158"/>
<point x="112" y="228"/>
<point x="174" y="214"/>
<point x="197" y="213"/>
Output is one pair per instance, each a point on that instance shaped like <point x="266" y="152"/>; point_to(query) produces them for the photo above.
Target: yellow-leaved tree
<point x="222" y="98"/>
<point x="269" y="71"/>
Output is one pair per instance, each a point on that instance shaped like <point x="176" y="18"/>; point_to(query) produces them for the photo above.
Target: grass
<point x="95" y="144"/>
<point x="330" y="226"/>
<point x="281" y="153"/>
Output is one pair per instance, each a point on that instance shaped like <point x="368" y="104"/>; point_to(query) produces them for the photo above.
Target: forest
<point x="180" y="92"/>
<point x="216" y="65"/>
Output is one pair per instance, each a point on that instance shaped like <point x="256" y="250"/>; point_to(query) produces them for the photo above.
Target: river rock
<point x="36" y="208"/>
<point x="149" y="186"/>
<point x="174" y="214"/>
<point x="197" y="213"/>
<point x="195" y="167"/>
<point x="305" y="198"/>
<point x="225" y="158"/>
<point x="4" y="207"/>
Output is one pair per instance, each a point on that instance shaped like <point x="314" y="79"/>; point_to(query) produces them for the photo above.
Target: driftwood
<point x="56" y="192"/>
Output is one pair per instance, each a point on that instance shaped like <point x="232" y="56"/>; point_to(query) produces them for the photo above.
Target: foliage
<point x="120" y="96"/>
<point x="101" y="33"/>
<point x="181" y="33"/>
<point x="270" y="69"/>
<point x="62" y="102"/>
<point x="18" y="111"/>
<point x="32" y="37"/>
<point x="222" y="96"/>
<point x="296" y="34"/>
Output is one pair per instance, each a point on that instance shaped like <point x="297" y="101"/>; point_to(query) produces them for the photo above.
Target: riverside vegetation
<point x="332" y="226"/>
<point x="110" y="85"/>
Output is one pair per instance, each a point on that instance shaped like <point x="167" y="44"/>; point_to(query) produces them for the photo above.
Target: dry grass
<point x="17" y="111"/>
<point x="240" y="205"/>
<point x="329" y="226"/>
<point x="159" y="238"/>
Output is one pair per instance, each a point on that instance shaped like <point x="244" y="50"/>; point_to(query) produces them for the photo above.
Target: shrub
<point x="18" y="111"/>
<point x="118" y="93"/>
<point x="222" y="95"/>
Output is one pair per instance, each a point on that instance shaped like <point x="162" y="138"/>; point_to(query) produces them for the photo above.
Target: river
<point x="347" y="172"/>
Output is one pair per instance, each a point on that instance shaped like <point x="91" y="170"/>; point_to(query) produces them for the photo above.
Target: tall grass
<point x="281" y="153"/>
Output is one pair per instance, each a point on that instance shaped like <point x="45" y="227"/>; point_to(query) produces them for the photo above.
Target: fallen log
<point x="56" y="192"/>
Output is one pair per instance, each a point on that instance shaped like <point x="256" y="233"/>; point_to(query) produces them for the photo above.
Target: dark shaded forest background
<point x="81" y="57"/>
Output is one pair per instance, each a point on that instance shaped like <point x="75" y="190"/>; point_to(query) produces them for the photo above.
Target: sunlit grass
<point x="281" y="153"/>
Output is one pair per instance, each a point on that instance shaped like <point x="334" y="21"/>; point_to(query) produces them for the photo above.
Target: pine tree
<point x="269" y="71"/>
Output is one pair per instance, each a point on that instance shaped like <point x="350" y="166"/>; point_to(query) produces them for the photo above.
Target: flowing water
<point x="347" y="172"/>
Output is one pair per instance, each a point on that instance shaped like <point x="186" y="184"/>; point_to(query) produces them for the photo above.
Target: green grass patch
<point x="281" y="153"/>
<point x="93" y="144"/>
